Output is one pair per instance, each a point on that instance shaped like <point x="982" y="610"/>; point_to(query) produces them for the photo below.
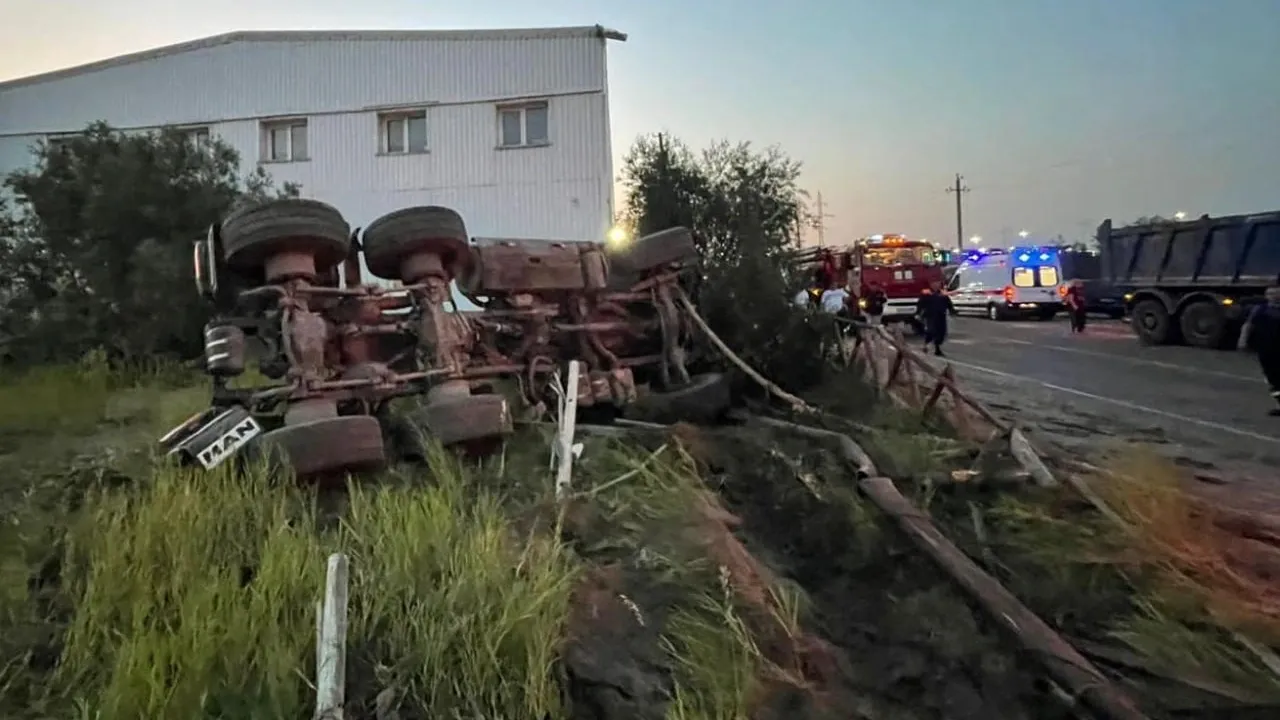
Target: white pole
<point x="331" y="653"/>
<point x="567" y="423"/>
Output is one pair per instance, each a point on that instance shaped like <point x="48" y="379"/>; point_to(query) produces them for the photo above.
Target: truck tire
<point x="994" y="312"/>
<point x="253" y="233"/>
<point x="704" y="400"/>
<point x="465" y="419"/>
<point x="428" y="228"/>
<point x="1203" y="324"/>
<point x="1151" y="322"/>
<point x="329" y="446"/>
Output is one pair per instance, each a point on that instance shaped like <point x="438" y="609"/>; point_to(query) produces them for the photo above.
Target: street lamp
<point x="976" y="240"/>
<point x="1179" y="215"/>
<point x="1023" y="234"/>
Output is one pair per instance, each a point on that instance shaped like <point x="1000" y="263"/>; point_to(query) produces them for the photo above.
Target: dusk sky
<point x="1058" y="112"/>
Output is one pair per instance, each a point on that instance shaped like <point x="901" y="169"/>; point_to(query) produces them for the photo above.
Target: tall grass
<point x="194" y="596"/>
<point x="180" y="594"/>
<point x="461" y="616"/>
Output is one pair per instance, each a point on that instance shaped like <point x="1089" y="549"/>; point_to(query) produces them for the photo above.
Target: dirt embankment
<point x="845" y="619"/>
<point x="877" y="631"/>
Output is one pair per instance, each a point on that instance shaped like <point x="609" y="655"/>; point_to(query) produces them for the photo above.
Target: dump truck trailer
<point x="1192" y="281"/>
<point x="1101" y="295"/>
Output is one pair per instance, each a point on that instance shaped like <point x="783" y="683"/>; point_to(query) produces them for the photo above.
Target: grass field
<point x="705" y="574"/>
<point x="136" y="589"/>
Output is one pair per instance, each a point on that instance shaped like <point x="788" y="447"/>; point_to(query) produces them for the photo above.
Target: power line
<point x="818" y="221"/>
<point x="959" y="189"/>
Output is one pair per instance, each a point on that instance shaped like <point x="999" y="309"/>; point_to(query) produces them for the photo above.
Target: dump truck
<point x="1101" y="295"/>
<point x="1192" y="281"/>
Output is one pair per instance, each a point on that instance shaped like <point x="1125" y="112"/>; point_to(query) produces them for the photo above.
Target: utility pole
<point x="959" y="189"/>
<point x="819" y="221"/>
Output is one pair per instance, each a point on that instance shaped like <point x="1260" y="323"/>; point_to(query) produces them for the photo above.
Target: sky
<point x="1058" y="113"/>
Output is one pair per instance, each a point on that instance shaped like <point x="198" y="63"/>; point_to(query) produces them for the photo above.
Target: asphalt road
<point x="1204" y="408"/>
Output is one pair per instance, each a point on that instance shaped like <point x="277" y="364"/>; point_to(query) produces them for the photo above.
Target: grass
<point x="713" y="602"/>
<point x="132" y="588"/>
<point x="1167" y="585"/>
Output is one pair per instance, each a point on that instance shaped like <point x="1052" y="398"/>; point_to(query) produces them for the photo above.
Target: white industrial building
<point x="509" y="127"/>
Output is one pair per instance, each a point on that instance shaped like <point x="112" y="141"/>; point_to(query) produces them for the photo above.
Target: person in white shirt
<point x="833" y="300"/>
<point x="801" y="299"/>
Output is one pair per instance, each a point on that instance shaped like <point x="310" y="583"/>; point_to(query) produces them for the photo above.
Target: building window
<point x="400" y="133"/>
<point x="284" y="141"/>
<point x="523" y="125"/>
<point x="198" y="137"/>
<point x="59" y="144"/>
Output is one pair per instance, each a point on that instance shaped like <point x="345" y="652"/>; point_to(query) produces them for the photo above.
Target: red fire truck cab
<point x="903" y="269"/>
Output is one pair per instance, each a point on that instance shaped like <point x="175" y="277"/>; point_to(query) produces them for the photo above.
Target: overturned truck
<point x="284" y="282"/>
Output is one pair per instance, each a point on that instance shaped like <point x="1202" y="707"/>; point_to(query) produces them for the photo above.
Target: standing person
<point x="1262" y="332"/>
<point x="834" y="300"/>
<point x="801" y="299"/>
<point x="827" y="271"/>
<point x="876" y="300"/>
<point x="1076" y="305"/>
<point x="935" y="307"/>
<point x="918" y="321"/>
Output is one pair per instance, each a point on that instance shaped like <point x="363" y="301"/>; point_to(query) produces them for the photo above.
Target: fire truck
<point x="902" y="267"/>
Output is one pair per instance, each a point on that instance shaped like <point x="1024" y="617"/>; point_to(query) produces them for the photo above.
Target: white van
<point x="1002" y="284"/>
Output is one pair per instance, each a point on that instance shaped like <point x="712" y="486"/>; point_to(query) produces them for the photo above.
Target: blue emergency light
<point x="1035" y="256"/>
<point x="979" y="253"/>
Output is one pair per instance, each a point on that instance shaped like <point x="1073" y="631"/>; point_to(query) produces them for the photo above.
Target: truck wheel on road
<point x="1151" y="323"/>
<point x="1204" y="325"/>
<point x="994" y="312"/>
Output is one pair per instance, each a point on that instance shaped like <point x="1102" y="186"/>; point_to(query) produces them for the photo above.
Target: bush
<point x="745" y="209"/>
<point x="100" y="238"/>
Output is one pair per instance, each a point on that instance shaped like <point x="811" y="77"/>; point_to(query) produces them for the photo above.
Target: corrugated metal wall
<point x="563" y="190"/>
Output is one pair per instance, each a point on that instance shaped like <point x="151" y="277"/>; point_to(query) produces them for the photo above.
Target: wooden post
<point x="933" y="396"/>
<point x="331" y="651"/>
<point x="1058" y="657"/>
<point x="898" y="361"/>
<point x="1027" y="456"/>
<point x="566" y="424"/>
<point x="873" y="366"/>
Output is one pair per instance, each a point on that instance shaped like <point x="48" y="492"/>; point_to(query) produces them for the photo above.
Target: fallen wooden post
<point x="331" y="645"/>
<point x="1027" y="456"/>
<point x="796" y="403"/>
<point x="848" y="449"/>
<point x="1062" y="661"/>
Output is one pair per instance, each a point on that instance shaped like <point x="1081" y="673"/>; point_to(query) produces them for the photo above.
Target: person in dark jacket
<point x="876" y="300"/>
<point x="1262" y="333"/>
<point x="933" y="308"/>
<point x="1076" y="305"/>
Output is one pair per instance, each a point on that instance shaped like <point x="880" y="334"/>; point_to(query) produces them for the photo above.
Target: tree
<point x="744" y="207"/>
<point x="99" y="243"/>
